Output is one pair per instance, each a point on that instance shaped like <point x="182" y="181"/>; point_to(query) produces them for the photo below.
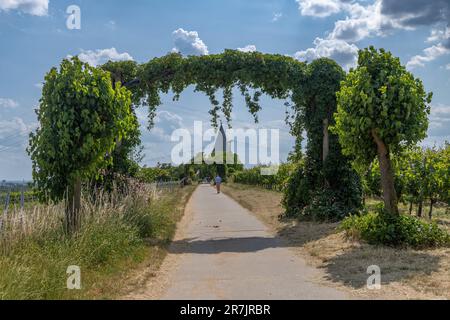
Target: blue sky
<point x="34" y="38"/>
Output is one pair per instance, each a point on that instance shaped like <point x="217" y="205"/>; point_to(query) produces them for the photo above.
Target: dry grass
<point x="38" y="220"/>
<point x="131" y="275"/>
<point x="119" y="234"/>
<point x="406" y="273"/>
<point x="136" y="279"/>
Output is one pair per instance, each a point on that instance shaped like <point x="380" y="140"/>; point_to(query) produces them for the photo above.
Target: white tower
<point x="222" y="144"/>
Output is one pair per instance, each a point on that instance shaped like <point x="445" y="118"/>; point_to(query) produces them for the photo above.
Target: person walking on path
<point x="218" y="182"/>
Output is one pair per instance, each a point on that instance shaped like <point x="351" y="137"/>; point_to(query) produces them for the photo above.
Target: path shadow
<point x="350" y="268"/>
<point x="303" y="232"/>
<point x="290" y="235"/>
<point x="229" y="245"/>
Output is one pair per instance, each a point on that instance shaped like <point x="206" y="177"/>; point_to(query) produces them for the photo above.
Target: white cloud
<point x="429" y="54"/>
<point x="277" y="16"/>
<point x="440" y="111"/>
<point x="442" y="47"/>
<point x="362" y="22"/>
<point x="365" y="21"/>
<point x="439" y="121"/>
<point x="156" y="152"/>
<point x="319" y="8"/>
<point x="374" y="19"/>
<point x="249" y="48"/>
<point x="189" y="43"/>
<point x="378" y="19"/>
<point x="101" y="56"/>
<point x="12" y="127"/>
<point x="350" y="30"/>
<point x="439" y="34"/>
<point x="8" y="103"/>
<point x="165" y="124"/>
<point x="33" y="7"/>
<point x="173" y="121"/>
<point x="14" y="134"/>
<point x="342" y="52"/>
<point x="112" y="25"/>
<point x="447" y="66"/>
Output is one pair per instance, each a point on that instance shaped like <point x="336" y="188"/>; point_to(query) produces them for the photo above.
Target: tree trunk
<point x="430" y="214"/>
<point x="410" y="207"/>
<point x="387" y="176"/>
<point x="419" y="211"/>
<point x="73" y="208"/>
<point x="326" y="140"/>
<point x="325" y="146"/>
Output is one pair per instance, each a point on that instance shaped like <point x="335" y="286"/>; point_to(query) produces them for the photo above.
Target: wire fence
<point x="17" y="202"/>
<point x="16" y="195"/>
<point x="168" y="185"/>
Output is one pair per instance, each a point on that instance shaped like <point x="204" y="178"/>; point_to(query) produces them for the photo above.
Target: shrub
<point x="325" y="206"/>
<point x="297" y="193"/>
<point x="254" y="177"/>
<point x="336" y="200"/>
<point x="379" y="228"/>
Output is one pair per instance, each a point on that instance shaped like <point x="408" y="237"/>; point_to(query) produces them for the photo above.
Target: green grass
<point x="113" y="241"/>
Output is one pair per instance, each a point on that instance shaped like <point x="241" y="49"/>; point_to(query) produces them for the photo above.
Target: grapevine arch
<point x="325" y="182"/>
<point x="325" y="186"/>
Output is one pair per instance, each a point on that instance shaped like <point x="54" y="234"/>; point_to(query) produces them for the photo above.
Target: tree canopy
<point x="81" y="118"/>
<point x="382" y="96"/>
<point x="382" y="109"/>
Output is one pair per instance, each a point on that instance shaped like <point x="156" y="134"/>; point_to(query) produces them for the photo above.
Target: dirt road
<point x="221" y="251"/>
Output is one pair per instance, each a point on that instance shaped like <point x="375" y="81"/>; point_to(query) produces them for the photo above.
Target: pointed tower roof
<point x="221" y="140"/>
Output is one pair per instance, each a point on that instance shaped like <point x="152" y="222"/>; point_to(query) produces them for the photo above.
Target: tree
<point x="333" y="188"/>
<point x="412" y="166"/>
<point x="382" y="109"/>
<point x="444" y="194"/>
<point x="427" y="174"/>
<point x="128" y="152"/>
<point x="432" y="180"/>
<point x="156" y="174"/>
<point x="437" y="167"/>
<point x="124" y="72"/>
<point x="124" y="160"/>
<point x="82" y="117"/>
